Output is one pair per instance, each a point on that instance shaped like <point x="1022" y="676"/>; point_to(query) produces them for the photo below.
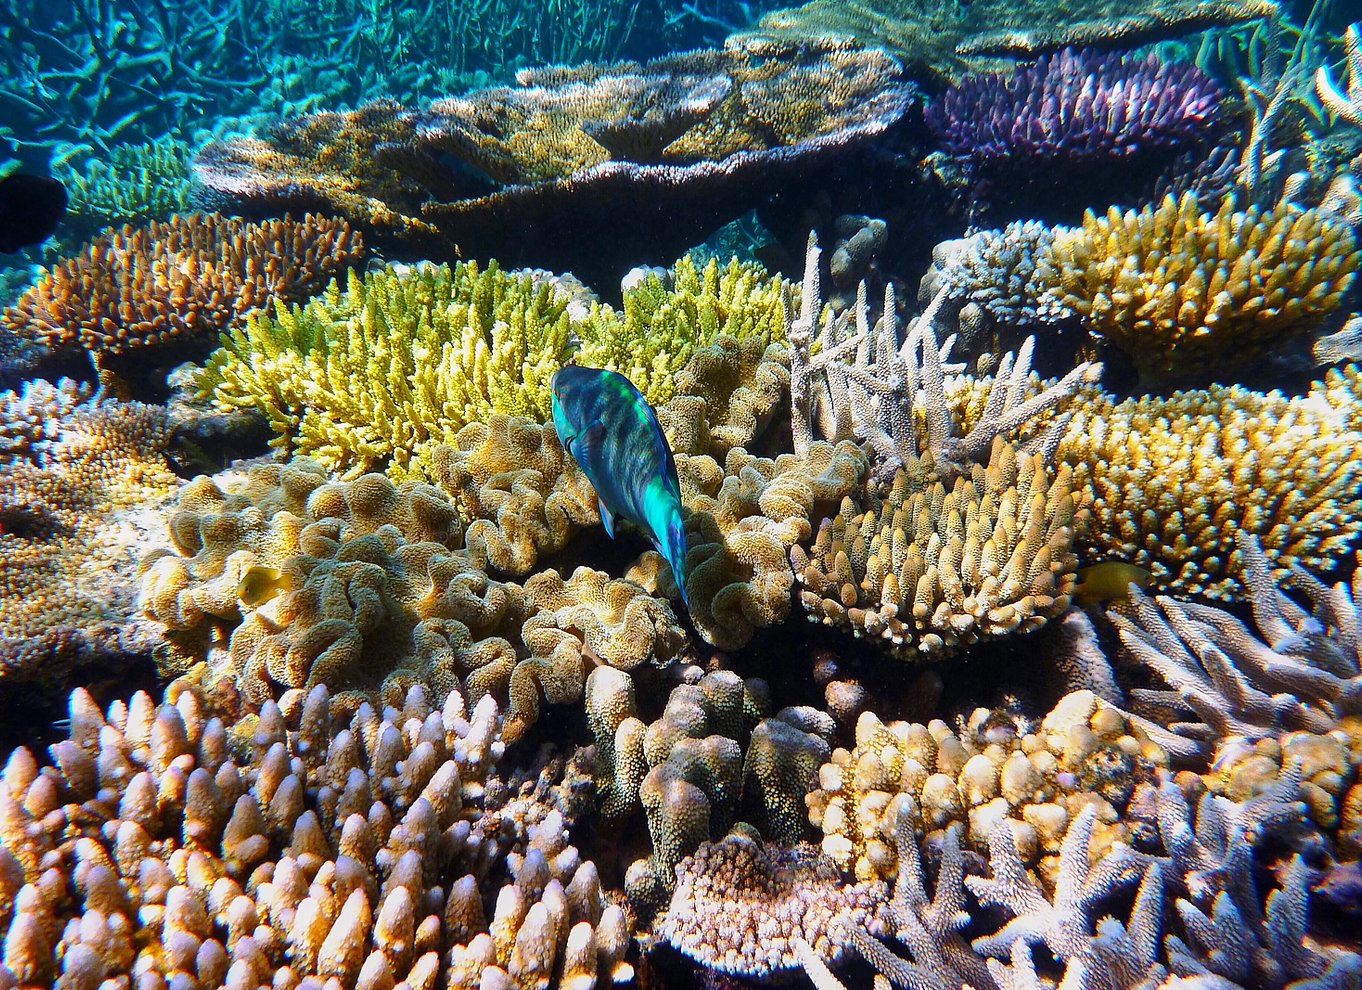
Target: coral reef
<point x="1174" y="478"/>
<point x="666" y="319"/>
<point x="75" y="476"/>
<point x="1180" y="290"/>
<point x="739" y="906"/>
<point x="927" y="569"/>
<point x="493" y="165"/>
<point x="367" y="377"/>
<point x="135" y="183"/>
<point x="1084" y="753"/>
<point x="363" y="853"/>
<point x="1073" y="110"/>
<point x="942" y="40"/>
<point x="170" y="286"/>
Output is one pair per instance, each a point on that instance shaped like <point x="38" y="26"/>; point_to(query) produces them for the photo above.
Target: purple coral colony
<point x="1009" y="354"/>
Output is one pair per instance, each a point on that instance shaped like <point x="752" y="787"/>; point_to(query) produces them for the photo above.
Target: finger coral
<point x="400" y="359"/>
<point x="664" y="322"/>
<point x="740" y="904"/>
<point x="178" y="284"/>
<point x="1074" y="109"/>
<point x="1179" y="290"/>
<point x="363" y="852"/>
<point x="1084" y="753"/>
<point x="1174" y="478"/>
<point x="926" y="570"/>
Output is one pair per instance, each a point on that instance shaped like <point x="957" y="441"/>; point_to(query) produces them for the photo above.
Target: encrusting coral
<point x="74" y="471"/>
<point x="1084" y="753"/>
<point x="926" y="569"/>
<point x="370" y="591"/>
<point x="178" y="284"/>
<point x="292" y="847"/>
<point x="400" y="359"/>
<point x="1180" y="290"/>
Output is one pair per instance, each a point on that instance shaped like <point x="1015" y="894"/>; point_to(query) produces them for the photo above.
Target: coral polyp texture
<point x="571" y="142"/>
<point x="363" y="852"/>
<point x="1073" y="109"/>
<point x="995" y="768"/>
<point x="176" y="285"/>
<point x="1178" y="289"/>
<point x="1175" y="478"/>
<point x="740" y="904"/>
<point x="928" y="569"/>
<point x="367" y="376"/>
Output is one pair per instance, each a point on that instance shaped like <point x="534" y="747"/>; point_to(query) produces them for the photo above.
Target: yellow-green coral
<point x="1176" y="288"/>
<point x="147" y="181"/>
<point x="399" y="360"/>
<point x="663" y="325"/>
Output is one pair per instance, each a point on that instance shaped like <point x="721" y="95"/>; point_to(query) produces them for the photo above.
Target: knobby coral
<point x="1179" y="290"/>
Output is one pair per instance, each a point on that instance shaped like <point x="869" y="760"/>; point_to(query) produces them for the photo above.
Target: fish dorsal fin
<point x="607" y="517"/>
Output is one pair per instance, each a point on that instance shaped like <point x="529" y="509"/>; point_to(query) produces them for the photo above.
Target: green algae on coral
<point x="400" y="359"/>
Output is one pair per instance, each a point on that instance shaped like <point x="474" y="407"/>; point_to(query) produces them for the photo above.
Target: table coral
<point x="740" y="904"/>
<point x="1174" y="478"/>
<point x="1179" y="290"/>
<point x="401" y="359"/>
<point x="1084" y="752"/>
<point x="361" y="852"/>
<point x="926" y="570"/>
<point x="665" y="321"/>
<point x="177" y="285"/>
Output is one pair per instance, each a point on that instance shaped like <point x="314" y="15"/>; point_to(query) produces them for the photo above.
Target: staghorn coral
<point x="1346" y="105"/>
<point x="176" y="285"/>
<point x="374" y="593"/>
<point x="401" y="359"/>
<point x="1074" y="110"/>
<point x="1085" y="752"/>
<point x="362" y="852"/>
<point x="666" y="320"/>
<point x="495" y="165"/>
<point x="740" y="904"/>
<point x="743" y="521"/>
<point x="1179" y="290"/>
<point x="925" y="570"/>
<point x="942" y="40"/>
<point x="74" y="477"/>
<point x="1174" y="478"/>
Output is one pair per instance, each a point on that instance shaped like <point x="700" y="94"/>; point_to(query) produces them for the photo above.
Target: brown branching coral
<point x="361" y="853"/>
<point x="70" y="488"/>
<point x="1174" y="478"/>
<point x="167" y="285"/>
<point x="926" y="570"/>
<point x="1177" y="289"/>
<point x="740" y="904"/>
<point x="1084" y="752"/>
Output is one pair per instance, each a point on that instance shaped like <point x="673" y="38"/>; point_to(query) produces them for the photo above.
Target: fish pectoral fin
<point x="607" y="518"/>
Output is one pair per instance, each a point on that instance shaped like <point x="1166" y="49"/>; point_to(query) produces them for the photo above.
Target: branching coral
<point x="1175" y="478"/>
<point x="1177" y="289"/>
<point x="926" y="570"/>
<point x="1074" y="109"/>
<point x="399" y="360"/>
<point x="361" y="853"/>
<point x="665" y="322"/>
<point x="1084" y="752"/>
<point x="178" y="284"/>
<point x="135" y="182"/>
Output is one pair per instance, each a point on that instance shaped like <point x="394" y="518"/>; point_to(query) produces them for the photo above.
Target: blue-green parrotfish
<point x="607" y="426"/>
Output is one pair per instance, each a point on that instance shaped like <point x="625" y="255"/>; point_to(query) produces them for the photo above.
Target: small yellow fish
<point x="1108" y="581"/>
<point x="260" y="583"/>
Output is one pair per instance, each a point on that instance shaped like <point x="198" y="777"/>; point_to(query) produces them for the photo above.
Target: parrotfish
<point x="1109" y="581"/>
<point x="609" y="429"/>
